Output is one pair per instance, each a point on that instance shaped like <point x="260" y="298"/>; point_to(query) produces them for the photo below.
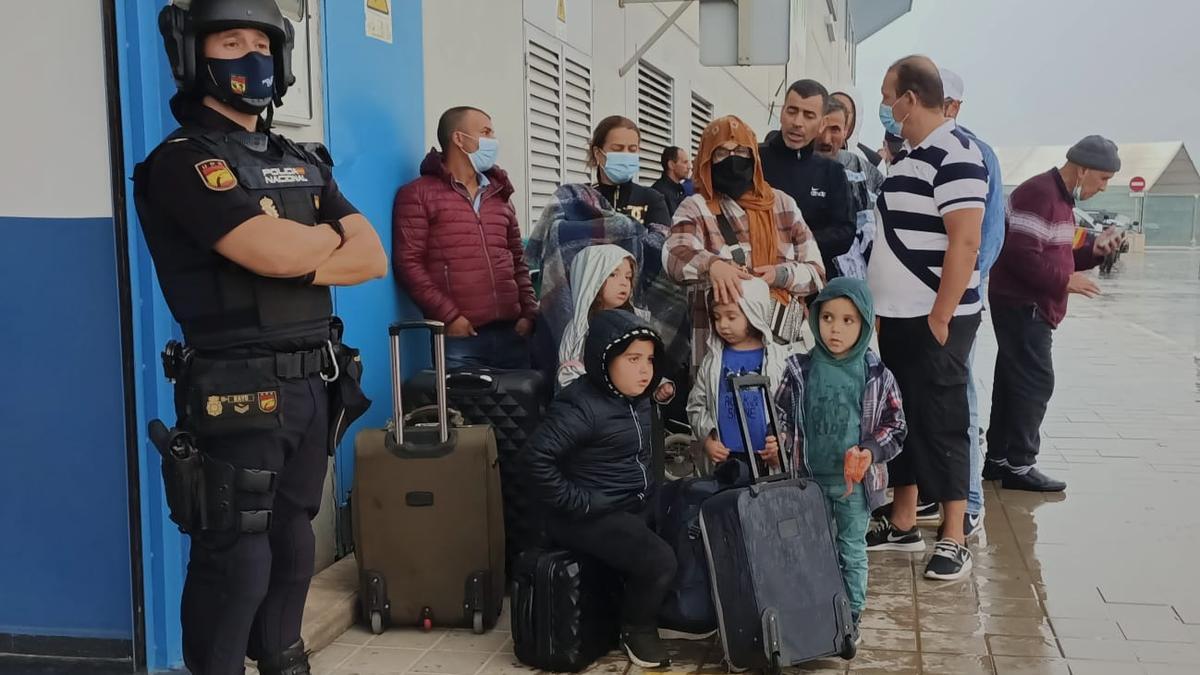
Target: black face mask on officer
<point x="246" y="83"/>
<point x="733" y="176"/>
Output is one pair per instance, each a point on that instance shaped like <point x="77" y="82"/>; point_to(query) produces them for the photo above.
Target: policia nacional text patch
<point x="216" y="175"/>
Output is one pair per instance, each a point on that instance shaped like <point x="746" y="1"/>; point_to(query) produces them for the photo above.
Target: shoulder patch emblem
<point x="216" y="175"/>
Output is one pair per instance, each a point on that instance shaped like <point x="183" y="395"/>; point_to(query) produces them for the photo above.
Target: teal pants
<point x="851" y="517"/>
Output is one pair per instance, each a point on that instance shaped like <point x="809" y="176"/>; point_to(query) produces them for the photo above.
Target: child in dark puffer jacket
<point x="589" y="462"/>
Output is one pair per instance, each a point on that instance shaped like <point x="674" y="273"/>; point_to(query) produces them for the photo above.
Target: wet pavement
<point x="1100" y="580"/>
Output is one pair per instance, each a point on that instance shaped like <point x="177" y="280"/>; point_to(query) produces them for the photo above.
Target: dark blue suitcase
<point x="688" y="607"/>
<point x="776" y="580"/>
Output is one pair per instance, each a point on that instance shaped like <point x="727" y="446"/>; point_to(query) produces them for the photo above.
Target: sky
<point x="1049" y="72"/>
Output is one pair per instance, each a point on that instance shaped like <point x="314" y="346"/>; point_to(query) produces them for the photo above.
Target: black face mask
<point x="733" y="176"/>
<point x="246" y="83"/>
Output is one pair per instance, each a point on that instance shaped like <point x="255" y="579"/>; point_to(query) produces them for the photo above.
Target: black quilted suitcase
<point x="513" y="402"/>
<point x="564" y="610"/>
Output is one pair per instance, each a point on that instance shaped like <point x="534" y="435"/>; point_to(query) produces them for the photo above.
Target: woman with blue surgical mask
<point x="613" y="154"/>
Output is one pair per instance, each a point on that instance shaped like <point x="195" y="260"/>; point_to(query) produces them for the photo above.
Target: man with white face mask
<point x="456" y="247"/>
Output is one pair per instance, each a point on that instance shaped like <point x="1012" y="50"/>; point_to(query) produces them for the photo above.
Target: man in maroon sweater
<point x="1040" y="265"/>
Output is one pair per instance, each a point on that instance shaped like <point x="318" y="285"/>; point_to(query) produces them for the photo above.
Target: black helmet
<point x="183" y="31"/>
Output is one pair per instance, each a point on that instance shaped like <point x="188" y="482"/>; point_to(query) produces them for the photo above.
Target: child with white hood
<point x="602" y="277"/>
<point x="740" y="342"/>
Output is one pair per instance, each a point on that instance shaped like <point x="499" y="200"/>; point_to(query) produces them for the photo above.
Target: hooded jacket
<point x="453" y="261"/>
<point x="589" y="270"/>
<point x="883" y="427"/>
<point x="591" y="454"/>
<point x="705" y="396"/>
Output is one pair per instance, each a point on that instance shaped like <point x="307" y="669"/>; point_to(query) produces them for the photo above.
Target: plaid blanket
<point x="578" y="216"/>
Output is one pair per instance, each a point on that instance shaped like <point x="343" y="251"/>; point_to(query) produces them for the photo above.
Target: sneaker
<point x="925" y="512"/>
<point x="972" y="524"/>
<point x="1032" y="481"/>
<point x="950" y="561"/>
<point x="928" y="513"/>
<point x="671" y="634"/>
<point x="883" y="536"/>
<point x="644" y="648"/>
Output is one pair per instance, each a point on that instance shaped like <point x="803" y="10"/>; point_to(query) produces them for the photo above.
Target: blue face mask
<point x="484" y="158"/>
<point x="621" y="167"/>
<point x="247" y="83"/>
<point x="888" y="121"/>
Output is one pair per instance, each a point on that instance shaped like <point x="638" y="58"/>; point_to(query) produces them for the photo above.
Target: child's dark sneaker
<point x="644" y="648"/>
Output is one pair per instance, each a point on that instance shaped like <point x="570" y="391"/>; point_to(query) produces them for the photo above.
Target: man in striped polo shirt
<point x="925" y="280"/>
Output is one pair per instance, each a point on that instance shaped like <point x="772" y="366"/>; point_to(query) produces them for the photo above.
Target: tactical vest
<point x="248" y="309"/>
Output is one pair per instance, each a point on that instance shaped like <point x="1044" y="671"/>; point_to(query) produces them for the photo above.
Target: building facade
<point x="93" y="568"/>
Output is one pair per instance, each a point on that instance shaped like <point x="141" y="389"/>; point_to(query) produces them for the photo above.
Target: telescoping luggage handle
<point x="437" y="338"/>
<point x="753" y="381"/>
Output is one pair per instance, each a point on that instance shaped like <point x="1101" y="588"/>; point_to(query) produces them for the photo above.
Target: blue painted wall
<point x="64" y="566"/>
<point x="374" y="116"/>
<point x="146" y="86"/>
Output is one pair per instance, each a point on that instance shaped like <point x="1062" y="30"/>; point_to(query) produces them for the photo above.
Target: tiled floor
<point x="1099" y="581"/>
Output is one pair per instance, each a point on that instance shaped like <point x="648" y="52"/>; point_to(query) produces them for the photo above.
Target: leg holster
<point x="202" y="491"/>
<point x="291" y="661"/>
<point x="222" y="483"/>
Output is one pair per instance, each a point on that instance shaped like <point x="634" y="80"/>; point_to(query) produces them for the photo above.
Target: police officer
<point x="248" y="231"/>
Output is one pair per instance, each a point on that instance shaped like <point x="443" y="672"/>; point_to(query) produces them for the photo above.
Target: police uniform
<point x="254" y="381"/>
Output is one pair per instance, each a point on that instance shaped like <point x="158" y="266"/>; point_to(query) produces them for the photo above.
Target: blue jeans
<point x="495" y="345"/>
<point x="975" y="491"/>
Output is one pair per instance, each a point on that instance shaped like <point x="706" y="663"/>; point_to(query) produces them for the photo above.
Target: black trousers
<point x="1023" y="384"/>
<point x="244" y="594"/>
<point x="626" y="543"/>
<point x="933" y="384"/>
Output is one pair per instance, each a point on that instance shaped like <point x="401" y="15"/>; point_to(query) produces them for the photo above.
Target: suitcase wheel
<point x="849" y="648"/>
<point x="477" y="622"/>
<point x="377" y="622"/>
<point x="774" y="667"/>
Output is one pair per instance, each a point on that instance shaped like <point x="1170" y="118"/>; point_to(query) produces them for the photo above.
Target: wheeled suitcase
<point x="428" y="520"/>
<point x="776" y="580"/>
<point x="513" y="402"/>
<point x="564" y="610"/>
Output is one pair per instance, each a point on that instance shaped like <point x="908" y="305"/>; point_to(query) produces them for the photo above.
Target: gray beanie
<point x="1095" y="152"/>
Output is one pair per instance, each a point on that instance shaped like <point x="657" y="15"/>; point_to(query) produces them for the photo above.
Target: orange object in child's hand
<point x="854" y="467"/>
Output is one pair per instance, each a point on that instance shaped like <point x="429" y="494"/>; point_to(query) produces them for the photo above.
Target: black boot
<point x="291" y="661"/>
<point x="993" y="470"/>
<point x="1032" y="481"/>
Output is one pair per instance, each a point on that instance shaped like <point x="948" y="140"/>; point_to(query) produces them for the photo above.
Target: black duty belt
<point x="287" y="365"/>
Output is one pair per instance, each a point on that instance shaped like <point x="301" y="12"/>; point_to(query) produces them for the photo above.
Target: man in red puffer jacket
<point x="456" y="247"/>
